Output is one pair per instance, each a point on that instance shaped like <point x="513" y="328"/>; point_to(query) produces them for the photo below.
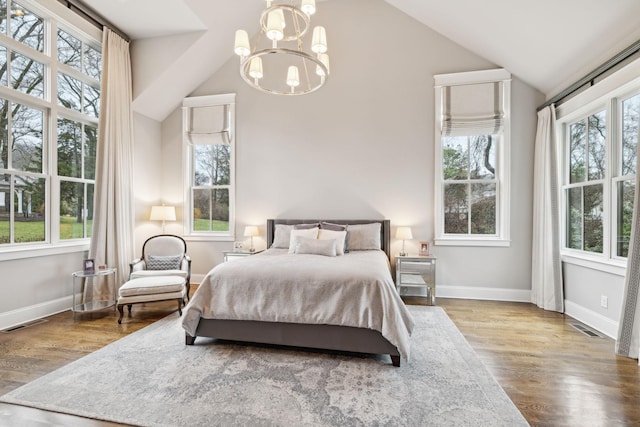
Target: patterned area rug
<point x="151" y="378"/>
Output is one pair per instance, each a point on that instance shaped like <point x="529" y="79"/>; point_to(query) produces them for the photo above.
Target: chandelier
<point x="278" y="62"/>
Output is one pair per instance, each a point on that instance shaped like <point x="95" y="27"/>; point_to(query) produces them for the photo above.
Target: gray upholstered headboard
<point x="385" y="228"/>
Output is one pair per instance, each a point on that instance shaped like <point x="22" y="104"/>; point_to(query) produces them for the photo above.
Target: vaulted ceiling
<point x="546" y="43"/>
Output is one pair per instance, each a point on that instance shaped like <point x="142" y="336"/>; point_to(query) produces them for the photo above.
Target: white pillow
<point x="338" y="236"/>
<point x="311" y="233"/>
<point x="305" y="245"/>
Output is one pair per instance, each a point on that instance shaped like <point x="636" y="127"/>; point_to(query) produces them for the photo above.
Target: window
<point x="49" y="106"/>
<point x="208" y="123"/>
<point x="599" y="177"/>
<point x="472" y="158"/>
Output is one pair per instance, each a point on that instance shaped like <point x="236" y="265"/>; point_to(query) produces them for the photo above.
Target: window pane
<point x="69" y="50"/>
<point x="26" y="133"/>
<point x="483" y="208"/>
<point x="578" y="141"/>
<point x="455" y="157"/>
<point x="4" y="134"/>
<point x="69" y="92"/>
<point x="630" y="114"/>
<point x="29" y="209"/>
<point x="593" y="211"/>
<point x="91" y="101"/>
<point x="3" y="66"/>
<point x="597" y="135"/>
<point x="27" y="27"/>
<point x="69" y="148"/>
<point x="624" y="211"/>
<point x="27" y="75"/>
<point x="456" y="210"/>
<point x="483" y="157"/>
<point x="71" y="210"/>
<point x="574" y="218"/>
<point x="5" y="209"/>
<point x="3" y="17"/>
<point x="90" y="147"/>
<point x="92" y="62"/>
<point x="210" y="209"/>
<point x="212" y="164"/>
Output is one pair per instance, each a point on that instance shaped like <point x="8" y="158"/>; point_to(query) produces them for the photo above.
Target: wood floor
<point x="555" y="375"/>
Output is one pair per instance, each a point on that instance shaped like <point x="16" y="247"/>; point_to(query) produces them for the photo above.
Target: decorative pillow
<point x="282" y="236"/>
<point x="306" y="226"/>
<point x="311" y="233"/>
<point x="306" y="245"/>
<point x="171" y="262"/>
<point x="334" y="227"/>
<point x="338" y="236"/>
<point x="364" y="237"/>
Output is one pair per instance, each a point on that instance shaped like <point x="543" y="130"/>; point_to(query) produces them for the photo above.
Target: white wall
<point x="363" y="146"/>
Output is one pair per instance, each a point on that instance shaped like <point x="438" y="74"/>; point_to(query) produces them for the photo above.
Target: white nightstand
<point x="417" y="272"/>
<point x="235" y="255"/>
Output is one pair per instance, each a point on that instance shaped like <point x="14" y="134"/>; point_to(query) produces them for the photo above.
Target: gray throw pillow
<point x="333" y="227"/>
<point x="363" y="237"/>
<point x="306" y="226"/>
<point x="171" y="262"/>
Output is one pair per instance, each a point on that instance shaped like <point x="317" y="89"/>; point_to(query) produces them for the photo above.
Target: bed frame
<point x="328" y="337"/>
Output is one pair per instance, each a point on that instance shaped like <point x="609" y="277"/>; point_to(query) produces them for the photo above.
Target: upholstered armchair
<point x="163" y="255"/>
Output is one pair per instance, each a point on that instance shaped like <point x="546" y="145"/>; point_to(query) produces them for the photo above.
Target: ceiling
<point x="546" y="43"/>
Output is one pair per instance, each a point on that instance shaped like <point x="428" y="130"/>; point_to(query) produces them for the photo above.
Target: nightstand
<point x="417" y="272"/>
<point x="235" y="255"/>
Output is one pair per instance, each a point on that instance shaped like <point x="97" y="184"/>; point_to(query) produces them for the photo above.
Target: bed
<point x="346" y="302"/>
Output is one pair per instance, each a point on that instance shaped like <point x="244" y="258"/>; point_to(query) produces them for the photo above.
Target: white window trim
<point x="205" y="101"/>
<point x="618" y="85"/>
<point x="503" y="158"/>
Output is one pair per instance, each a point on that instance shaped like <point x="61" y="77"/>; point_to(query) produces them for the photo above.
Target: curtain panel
<point x="546" y="264"/>
<point x="112" y="239"/>
<point x="628" y="340"/>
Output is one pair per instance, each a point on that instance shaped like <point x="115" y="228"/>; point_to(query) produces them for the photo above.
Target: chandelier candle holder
<point x="278" y="62"/>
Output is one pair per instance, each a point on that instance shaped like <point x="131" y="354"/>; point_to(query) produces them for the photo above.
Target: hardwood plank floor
<point x="554" y="374"/>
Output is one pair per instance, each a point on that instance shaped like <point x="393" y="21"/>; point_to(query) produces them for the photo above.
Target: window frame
<point x="188" y="168"/>
<point x="503" y="155"/>
<point x="55" y="16"/>
<point x="609" y="95"/>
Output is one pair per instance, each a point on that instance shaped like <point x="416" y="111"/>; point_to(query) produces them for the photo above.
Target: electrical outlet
<point x="604" y="301"/>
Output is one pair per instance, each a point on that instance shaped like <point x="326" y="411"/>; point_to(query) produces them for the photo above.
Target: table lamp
<point x="250" y="231"/>
<point x="163" y="213"/>
<point x="403" y="233"/>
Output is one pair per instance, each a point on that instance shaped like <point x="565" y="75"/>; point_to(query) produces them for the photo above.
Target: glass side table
<point x="417" y="272"/>
<point x="94" y="291"/>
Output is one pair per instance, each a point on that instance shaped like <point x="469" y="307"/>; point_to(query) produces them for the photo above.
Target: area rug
<point x="150" y="378"/>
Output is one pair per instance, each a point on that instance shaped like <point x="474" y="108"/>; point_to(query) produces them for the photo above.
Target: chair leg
<point x="129" y="307"/>
<point x="180" y="302"/>
<point x="121" y="310"/>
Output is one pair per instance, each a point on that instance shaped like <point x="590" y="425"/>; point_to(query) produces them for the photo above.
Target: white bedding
<point x="351" y="290"/>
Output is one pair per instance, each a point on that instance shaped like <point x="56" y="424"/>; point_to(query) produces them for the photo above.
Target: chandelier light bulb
<point x="293" y="78"/>
<point x="242" y="47"/>
<point x="319" y="40"/>
<point x="255" y="68"/>
<point x="324" y="58"/>
<point x="308" y="7"/>
<point x="275" y="24"/>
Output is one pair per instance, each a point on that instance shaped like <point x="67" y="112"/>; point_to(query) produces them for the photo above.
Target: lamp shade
<point x="251" y="230"/>
<point x="163" y="213"/>
<point x="404" y="233"/>
<point x="242" y="47"/>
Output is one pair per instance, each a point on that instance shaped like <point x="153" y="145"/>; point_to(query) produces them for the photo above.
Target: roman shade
<point x="208" y="124"/>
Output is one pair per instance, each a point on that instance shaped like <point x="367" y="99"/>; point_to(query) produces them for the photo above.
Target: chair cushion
<point x="156" y="273"/>
<point x="152" y="286"/>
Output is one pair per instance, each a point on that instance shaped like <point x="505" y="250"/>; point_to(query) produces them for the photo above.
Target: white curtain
<point x="628" y="342"/>
<point x="546" y="269"/>
<point x="112" y="240"/>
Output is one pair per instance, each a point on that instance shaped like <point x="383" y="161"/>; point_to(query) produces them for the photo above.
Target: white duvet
<point x="351" y="290"/>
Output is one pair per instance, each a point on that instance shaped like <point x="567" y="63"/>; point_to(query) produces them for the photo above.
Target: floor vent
<point x="22" y="326"/>
<point x="585" y="330"/>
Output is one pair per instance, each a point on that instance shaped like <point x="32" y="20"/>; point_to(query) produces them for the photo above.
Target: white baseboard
<point x="493" y="294"/>
<point x="34" y="312"/>
<point x="197" y="278"/>
<point x="590" y="318"/>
